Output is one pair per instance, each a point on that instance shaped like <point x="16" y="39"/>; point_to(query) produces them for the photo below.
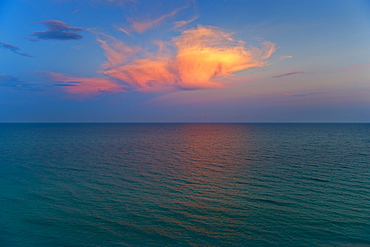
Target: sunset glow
<point x="213" y="60"/>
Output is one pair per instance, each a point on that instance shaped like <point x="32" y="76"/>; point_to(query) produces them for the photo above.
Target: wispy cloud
<point x="364" y="92"/>
<point x="58" y="30"/>
<point x="14" y="49"/>
<point x="332" y="70"/>
<point x="116" y="52"/>
<point x="141" y="27"/>
<point x="10" y="81"/>
<point x="80" y="85"/>
<point x="289" y="74"/>
<point x="178" y="24"/>
<point x="127" y="32"/>
<point x="303" y="94"/>
<point x="359" y="66"/>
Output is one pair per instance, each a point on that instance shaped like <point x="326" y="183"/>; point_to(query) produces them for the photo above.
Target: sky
<point x="184" y="61"/>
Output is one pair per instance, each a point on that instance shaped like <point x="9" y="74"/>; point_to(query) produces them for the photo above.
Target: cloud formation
<point x="197" y="58"/>
<point x="200" y="56"/>
<point x="80" y="85"/>
<point x="14" y="49"/>
<point x="58" y="30"/>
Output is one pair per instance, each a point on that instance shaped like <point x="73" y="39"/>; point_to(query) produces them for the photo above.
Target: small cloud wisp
<point x="289" y="74"/>
<point x="14" y="49"/>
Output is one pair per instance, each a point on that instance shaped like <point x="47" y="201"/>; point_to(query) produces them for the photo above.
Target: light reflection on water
<point x="184" y="184"/>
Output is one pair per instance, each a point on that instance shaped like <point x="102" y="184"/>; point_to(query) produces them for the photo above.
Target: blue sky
<point x="184" y="61"/>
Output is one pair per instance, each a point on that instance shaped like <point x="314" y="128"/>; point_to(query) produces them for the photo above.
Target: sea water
<point x="184" y="185"/>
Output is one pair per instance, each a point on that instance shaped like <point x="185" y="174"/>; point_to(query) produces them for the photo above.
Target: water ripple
<point x="185" y="185"/>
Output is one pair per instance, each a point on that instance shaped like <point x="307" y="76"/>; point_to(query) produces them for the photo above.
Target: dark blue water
<point x="184" y="184"/>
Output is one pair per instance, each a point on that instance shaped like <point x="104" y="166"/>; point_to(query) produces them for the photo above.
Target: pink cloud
<point x="116" y="52"/>
<point x="359" y="66"/>
<point x="80" y="85"/>
<point x="125" y="31"/>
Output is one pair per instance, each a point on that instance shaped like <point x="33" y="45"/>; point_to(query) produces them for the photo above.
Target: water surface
<point x="184" y="184"/>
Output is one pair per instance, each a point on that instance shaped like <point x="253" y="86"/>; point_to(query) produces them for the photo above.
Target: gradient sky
<point x="184" y="61"/>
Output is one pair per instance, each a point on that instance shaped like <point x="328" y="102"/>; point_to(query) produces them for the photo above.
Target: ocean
<point x="184" y="184"/>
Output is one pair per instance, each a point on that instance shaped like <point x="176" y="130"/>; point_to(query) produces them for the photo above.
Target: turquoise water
<point x="184" y="184"/>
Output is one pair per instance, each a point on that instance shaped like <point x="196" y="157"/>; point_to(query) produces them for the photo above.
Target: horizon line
<point x="183" y="122"/>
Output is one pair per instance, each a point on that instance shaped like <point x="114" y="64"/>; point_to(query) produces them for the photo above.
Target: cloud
<point x="10" y="81"/>
<point x="359" y="66"/>
<point x="80" y="85"/>
<point x="58" y="30"/>
<point x="141" y="27"/>
<point x="285" y="57"/>
<point x="124" y="31"/>
<point x="200" y="56"/>
<point x="14" y="49"/>
<point x="116" y="52"/>
<point x="303" y="95"/>
<point x="179" y="24"/>
<point x="289" y="74"/>
<point x="354" y="67"/>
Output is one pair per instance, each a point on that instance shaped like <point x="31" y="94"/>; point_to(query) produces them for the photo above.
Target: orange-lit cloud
<point x="198" y="57"/>
<point x="79" y="85"/>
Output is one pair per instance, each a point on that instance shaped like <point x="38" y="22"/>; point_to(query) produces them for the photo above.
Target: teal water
<point x="184" y="185"/>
